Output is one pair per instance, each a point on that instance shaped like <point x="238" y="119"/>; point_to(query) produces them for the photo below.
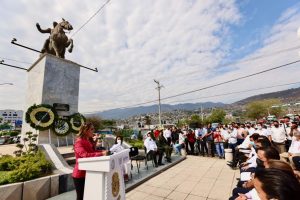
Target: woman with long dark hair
<point x="84" y="147"/>
<point x="276" y="184"/>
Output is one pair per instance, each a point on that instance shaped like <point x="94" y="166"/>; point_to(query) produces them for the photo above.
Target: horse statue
<point x="57" y="43"/>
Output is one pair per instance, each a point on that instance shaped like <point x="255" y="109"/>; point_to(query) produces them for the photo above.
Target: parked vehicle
<point x="2" y="140"/>
<point x="271" y="118"/>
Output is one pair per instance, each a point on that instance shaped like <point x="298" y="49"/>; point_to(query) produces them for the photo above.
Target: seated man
<point x="240" y="152"/>
<point x="294" y="149"/>
<point x="163" y="146"/>
<point x="151" y="148"/>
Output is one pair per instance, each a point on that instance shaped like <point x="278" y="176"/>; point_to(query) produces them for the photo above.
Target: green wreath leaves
<point x="61" y="127"/>
<point x="76" y="120"/>
<point x="41" y="117"/>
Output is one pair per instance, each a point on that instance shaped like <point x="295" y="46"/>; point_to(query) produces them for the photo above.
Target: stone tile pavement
<point x="196" y="178"/>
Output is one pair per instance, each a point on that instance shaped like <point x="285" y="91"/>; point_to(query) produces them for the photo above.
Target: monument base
<point x="52" y="80"/>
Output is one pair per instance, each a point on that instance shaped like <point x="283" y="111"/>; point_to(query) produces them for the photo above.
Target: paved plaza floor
<point x="196" y="178"/>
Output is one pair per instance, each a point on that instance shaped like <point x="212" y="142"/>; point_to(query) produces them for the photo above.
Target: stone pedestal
<point x="104" y="176"/>
<point x="52" y="80"/>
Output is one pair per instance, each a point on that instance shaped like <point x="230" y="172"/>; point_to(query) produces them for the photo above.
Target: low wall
<point x="37" y="189"/>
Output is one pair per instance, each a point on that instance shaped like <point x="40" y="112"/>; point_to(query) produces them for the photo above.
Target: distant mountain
<point x="286" y="96"/>
<point x="128" y="112"/>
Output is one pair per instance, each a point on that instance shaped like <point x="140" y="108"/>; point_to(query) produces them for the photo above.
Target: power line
<point x="211" y="86"/>
<point x="15" y="60"/>
<point x="237" y="92"/>
<point x="232" y="80"/>
<point x="89" y="19"/>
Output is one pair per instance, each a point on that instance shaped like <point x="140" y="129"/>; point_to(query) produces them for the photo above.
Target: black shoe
<point x="230" y="164"/>
<point x="160" y="164"/>
<point x="156" y="165"/>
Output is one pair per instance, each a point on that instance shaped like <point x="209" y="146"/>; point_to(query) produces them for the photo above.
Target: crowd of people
<point x="267" y="154"/>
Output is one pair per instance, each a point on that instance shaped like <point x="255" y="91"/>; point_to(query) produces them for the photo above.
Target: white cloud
<point x="132" y="42"/>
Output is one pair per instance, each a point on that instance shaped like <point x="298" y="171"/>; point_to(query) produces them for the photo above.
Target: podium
<point x="104" y="176"/>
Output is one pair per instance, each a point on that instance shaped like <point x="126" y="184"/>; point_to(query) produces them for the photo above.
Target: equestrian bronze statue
<point x="57" y="43"/>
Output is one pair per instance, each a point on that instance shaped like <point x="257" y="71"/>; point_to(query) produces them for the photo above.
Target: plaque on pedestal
<point x="104" y="176"/>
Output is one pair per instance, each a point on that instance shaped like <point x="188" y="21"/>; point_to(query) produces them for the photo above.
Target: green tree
<point x="5" y="126"/>
<point x="108" y="123"/>
<point x="147" y="120"/>
<point x="195" y="121"/>
<point x="182" y="122"/>
<point x="217" y="116"/>
<point x="259" y="109"/>
<point x="96" y="121"/>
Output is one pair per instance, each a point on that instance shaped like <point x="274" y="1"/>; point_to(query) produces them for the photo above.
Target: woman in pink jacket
<point x="84" y="147"/>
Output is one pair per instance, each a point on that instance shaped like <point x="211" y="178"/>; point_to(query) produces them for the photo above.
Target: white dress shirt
<point x="278" y="134"/>
<point x="233" y="136"/>
<point x="150" y="144"/>
<point x="295" y="147"/>
<point x="167" y="133"/>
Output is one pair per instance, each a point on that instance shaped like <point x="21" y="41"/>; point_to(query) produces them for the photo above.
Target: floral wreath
<point x="76" y="120"/>
<point x="61" y="127"/>
<point x="41" y="117"/>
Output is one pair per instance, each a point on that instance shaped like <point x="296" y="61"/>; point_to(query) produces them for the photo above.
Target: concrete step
<point x="68" y="155"/>
<point x="71" y="160"/>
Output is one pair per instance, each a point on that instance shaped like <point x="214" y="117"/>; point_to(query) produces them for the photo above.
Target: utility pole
<point x="202" y="113"/>
<point x="159" y="108"/>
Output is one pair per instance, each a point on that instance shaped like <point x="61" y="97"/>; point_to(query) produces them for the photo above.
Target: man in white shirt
<point x="278" y="136"/>
<point x="167" y="134"/>
<point x="263" y="130"/>
<point x="151" y="148"/>
<point x="287" y="129"/>
<point x="294" y="149"/>
<point x="250" y="129"/>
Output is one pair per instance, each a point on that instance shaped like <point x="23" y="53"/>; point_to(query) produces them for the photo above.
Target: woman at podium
<point x="84" y="147"/>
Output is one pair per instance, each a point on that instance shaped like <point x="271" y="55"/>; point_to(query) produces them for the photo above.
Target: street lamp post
<point x="159" y="108"/>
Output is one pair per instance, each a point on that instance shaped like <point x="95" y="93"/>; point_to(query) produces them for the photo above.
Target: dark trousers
<point x="238" y="190"/>
<point x="169" y="140"/>
<point x="240" y="141"/>
<point x="203" y="146"/>
<point x="296" y="160"/>
<point x="232" y="147"/>
<point x="192" y="144"/>
<point x="288" y="144"/>
<point x="152" y="155"/>
<point x="79" y="186"/>
<point x="212" y="148"/>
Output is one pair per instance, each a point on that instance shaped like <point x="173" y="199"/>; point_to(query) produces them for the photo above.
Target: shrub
<point x="24" y="168"/>
<point x="136" y="143"/>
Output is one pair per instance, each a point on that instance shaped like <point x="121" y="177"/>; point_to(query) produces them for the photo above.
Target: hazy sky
<point x="184" y="44"/>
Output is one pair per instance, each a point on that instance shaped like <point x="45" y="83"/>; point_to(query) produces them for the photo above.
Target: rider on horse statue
<point x="57" y="43"/>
